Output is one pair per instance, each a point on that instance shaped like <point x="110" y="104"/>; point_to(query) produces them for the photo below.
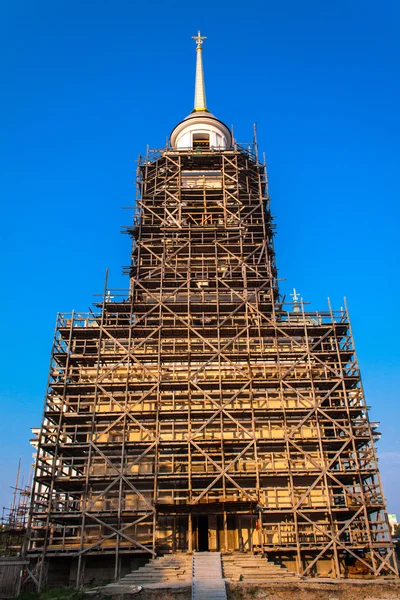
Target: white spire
<point x="200" y="129"/>
<point x="200" y="90"/>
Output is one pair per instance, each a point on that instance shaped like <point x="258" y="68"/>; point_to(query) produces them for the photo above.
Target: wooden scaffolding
<point x="199" y="402"/>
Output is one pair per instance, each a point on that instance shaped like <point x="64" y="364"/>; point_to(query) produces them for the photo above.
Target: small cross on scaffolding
<point x="295" y="296"/>
<point x="199" y="39"/>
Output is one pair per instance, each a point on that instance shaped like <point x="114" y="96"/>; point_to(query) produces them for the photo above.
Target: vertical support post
<point x="190" y="533"/>
<point x="226" y="532"/>
<point x="255" y="143"/>
<point x="154" y="532"/>
<point x="260" y="532"/>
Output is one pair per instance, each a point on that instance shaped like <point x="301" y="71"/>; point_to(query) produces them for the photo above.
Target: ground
<point x="316" y="591"/>
<point x="363" y="590"/>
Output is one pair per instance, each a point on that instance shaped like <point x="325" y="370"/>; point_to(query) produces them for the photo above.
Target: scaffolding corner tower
<point x="198" y="412"/>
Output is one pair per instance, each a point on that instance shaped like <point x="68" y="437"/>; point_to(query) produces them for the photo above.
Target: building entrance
<point x="202" y="533"/>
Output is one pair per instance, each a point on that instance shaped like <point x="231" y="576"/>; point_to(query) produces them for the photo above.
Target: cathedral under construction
<point x="199" y="412"/>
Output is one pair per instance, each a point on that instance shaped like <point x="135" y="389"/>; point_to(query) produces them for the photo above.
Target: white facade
<point x="201" y="127"/>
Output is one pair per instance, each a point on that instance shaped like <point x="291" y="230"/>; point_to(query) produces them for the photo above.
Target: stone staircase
<point x="254" y="568"/>
<point x="171" y="569"/>
<point x="206" y="572"/>
<point x="207" y="581"/>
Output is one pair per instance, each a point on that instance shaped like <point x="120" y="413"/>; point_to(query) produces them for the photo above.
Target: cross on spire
<point x="199" y="40"/>
<point x="295" y="296"/>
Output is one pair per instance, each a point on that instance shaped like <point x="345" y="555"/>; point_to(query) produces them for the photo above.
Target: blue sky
<point x="87" y="85"/>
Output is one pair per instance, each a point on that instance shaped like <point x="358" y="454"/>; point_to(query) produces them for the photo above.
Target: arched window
<point x="201" y="140"/>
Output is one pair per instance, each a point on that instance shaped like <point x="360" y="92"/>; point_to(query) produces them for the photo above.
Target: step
<point x="207" y="571"/>
<point x="166" y="568"/>
<point x="273" y="579"/>
<point x="267" y="575"/>
<point x="151" y="580"/>
<point x="170" y="571"/>
<point x="152" y="576"/>
<point x="249" y="568"/>
<point x="161" y="574"/>
<point x="156" y="576"/>
<point x="146" y="580"/>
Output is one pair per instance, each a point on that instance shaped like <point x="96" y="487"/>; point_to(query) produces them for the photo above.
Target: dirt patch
<point x="286" y="591"/>
<point x="316" y="591"/>
<point x="149" y="594"/>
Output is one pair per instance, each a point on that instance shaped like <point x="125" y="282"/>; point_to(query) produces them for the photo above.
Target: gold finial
<point x="199" y="40"/>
